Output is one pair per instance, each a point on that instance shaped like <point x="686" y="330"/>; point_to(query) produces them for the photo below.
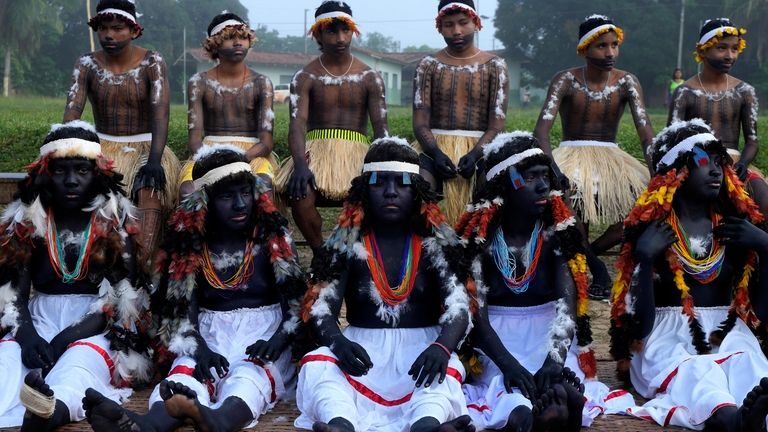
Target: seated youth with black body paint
<point x="729" y="104"/>
<point x="604" y="179"/>
<point x="74" y="299"/>
<point x="233" y="289"/>
<point x="393" y="368"/>
<point x="690" y="286"/>
<point x="531" y="282"/>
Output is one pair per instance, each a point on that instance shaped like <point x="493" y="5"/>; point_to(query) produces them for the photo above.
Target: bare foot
<point x="337" y="424"/>
<point x="32" y="421"/>
<point x="575" y="399"/>
<point x="550" y="411"/>
<point x="181" y="403"/>
<point x="520" y="420"/>
<point x="754" y="408"/>
<point x="106" y="415"/>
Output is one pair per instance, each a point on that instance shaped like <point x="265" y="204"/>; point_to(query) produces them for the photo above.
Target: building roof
<point x="291" y="59"/>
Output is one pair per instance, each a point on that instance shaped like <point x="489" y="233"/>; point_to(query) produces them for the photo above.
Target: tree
<point x="421" y="48"/>
<point x="20" y="29"/>
<point x="378" y="42"/>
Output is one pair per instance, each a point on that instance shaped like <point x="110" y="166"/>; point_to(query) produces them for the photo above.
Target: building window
<point x="395" y="82"/>
<point x="386" y="79"/>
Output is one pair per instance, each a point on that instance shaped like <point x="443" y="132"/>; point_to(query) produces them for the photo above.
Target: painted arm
<point x="377" y="104"/>
<point x="302" y="177"/>
<point x="749" y="111"/>
<point x="678" y="107"/>
<point x="266" y="121"/>
<point x="353" y="359"/>
<point x="557" y="90"/>
<point x="486" y="338"/>
<point x="497" y="116"/>
<point x="36" y="352"/>
<point x="650" y="246"/>
<point x="195" y="113"/>
<point x="152" y="174"/>
<point x="640" y="117"/>
<point x="78" y="92"/>
<point x="422" y="114"/>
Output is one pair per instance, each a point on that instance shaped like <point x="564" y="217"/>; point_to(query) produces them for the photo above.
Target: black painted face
<point x="231" y="206"/>
<point x="705" y="179"/>
<point x="115" y="35"/>
<point x="533" y="193"/>
<point x="389" y="199"/>
<point x="71" y="182"/>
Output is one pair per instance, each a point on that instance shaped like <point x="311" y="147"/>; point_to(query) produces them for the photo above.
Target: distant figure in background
<point x="526" y="98"/>
<point x="674" y="83"/>
<point x="331" y="100"/>
<point x="230" y="103"/>
<point x="128" y="89"/>
<point x="459" y="104"/>
<point x="727" y="103"/>
<point x="604" y="179"/>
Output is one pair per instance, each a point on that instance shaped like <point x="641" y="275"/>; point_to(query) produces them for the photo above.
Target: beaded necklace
<point x="507" y="263"/>
<point x="704" y="270"/>
<point x="57" y="255"/>
<point x="237" y="280"/>
<point x="409" y="264"/>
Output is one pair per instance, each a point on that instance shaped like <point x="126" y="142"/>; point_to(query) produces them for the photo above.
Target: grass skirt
<point x="605" y="180"/>
<point x="334" y="162"/>
<point x="129" y="156"/>
<point x="259" y="165"/>
<point x="457" y="192"/>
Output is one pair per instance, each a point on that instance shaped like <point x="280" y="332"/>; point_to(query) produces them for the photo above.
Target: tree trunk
<point x="7" y="74"/>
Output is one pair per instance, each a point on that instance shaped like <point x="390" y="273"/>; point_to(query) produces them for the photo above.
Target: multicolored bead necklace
<point x="238" y="280"/>
<point x="57" y="255"/>
<point x="704" y="270"/>
<point x="409" y="264"/>
<point x="507" y="263"/>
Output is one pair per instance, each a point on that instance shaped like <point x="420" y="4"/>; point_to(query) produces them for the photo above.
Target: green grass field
<point x="24" y="123"/>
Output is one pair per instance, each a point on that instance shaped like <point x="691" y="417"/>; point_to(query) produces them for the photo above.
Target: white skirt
<point x="523" y="331"/>
<point x="686" y="388"/>
<point x="385" y="399"/>
<point x="86" y="363"/>
<point x="229" y="333"/>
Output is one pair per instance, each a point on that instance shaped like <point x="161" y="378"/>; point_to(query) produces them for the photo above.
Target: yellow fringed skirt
<point x="335" y="157"/>
<point x="260" y="165"/>
<point x="605" y="180"/>
<point x="457" y="192"/>
<point x="130" y="153"/>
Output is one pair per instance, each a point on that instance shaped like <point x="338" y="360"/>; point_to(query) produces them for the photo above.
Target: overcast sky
<point x="409" y="21"/>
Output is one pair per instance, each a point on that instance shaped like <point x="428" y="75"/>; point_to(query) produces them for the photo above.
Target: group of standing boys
<point x="228" y="303"/>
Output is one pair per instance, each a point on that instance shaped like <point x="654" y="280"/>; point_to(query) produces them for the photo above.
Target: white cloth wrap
<point x="394" y="166"/>
<point x="229" y="333"/>
<point x="594" y="31"/>
<point x="216" y="30"/>
<point x="325" y="392"/>
<point x="120" y="12"/>
<point x="712" y="33"/>
<point x="79" y="368"/>
<point x="693" y="386"/>
<point x="219" y="173"/>
<point x="587" y="143"/>
<point x="144" y="137"/>
<point x="334" y="14"/>
<point x="524" y="332"/>
<point x="684" y="147"/>
<point x="72" y="147"/>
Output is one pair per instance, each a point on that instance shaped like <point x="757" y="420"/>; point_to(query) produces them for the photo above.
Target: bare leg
<point x="150" y="222"/>
<point x="431" y="424"/>
<point x="35" y="423"/>
<point x="181" y="403"/>
<point x="308" y="219"/>
<point x="758" y="189"/>
<point x="105" y="415"/>
<point x="600" y="288"/>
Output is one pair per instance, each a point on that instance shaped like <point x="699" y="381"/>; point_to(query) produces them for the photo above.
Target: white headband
<point x="216" y="30"/>
<point x="712" y="33"/>
<point x="510" y="161"/>
<point x="72" y="147"/>
<point x="336" y="14"/>
<point x="120" y="12"/>
<point x="684" y="146"/>
<point x="219" y="173"/>
<point x="457" y="4"/>
<point x="595" y="31"/>
<point x="391" y="166"/>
